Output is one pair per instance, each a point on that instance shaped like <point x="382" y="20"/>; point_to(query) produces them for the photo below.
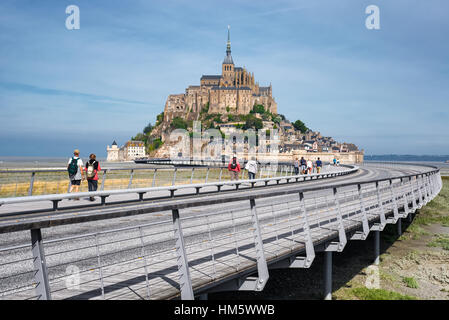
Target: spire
<point x="228" y="46"/>
<point x="228" y="58"/>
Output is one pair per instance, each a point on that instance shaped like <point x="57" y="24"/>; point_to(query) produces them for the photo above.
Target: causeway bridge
<point x="184" y="240"/>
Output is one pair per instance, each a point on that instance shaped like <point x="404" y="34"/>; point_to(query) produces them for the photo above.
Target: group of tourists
<point x="306" y="166"/>
<point x="336" y="162"/>
<point x="78" y="172"/>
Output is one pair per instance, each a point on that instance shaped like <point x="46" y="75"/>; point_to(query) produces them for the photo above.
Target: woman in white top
<point x="309" y="166"/>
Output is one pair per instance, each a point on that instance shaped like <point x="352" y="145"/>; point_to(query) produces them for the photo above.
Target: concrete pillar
<point x="376" y="247"/>
<point x="328" y="275"/>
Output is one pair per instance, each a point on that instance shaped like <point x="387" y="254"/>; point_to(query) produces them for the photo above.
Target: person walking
<point x="75" y="169"/>
<point x="251" y="166"/>
<point x="303" y="165"/>
<point x="319" y="165"/>
<point x="309" y="166"/>
<point x="335" y="161"/>
<point x="92" y="168"/>
<point x="234" y="168"/>
<point x="296" y="165"/>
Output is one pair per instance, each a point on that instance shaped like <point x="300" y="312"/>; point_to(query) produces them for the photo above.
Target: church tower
<point x="228" y="64"/>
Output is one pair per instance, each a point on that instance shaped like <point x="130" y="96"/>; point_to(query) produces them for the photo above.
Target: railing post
<point x="365" y="225"/>
<point x="262" y="267"/>
<point x="381" y="207"/>
<point x="404" y="190"/>
<point x="40" y="266"/>
<point x="144" y="257"/>
<point x="103" y="179"/>
<point x="174" y="176"/>
<point x="30" y="190"/>
<point x="153" y="183"/>
<point x="310" y="251"/>
<point x="100" y="267"/>
<point x="185" y="281"/>
<point x="420" y="204"/>
<point x="131" y="179"/>
<point x="395" y="203"/>
<point x="412" y="189"/>
<point x="341" y="228"/>
<point x="207" y="175"/>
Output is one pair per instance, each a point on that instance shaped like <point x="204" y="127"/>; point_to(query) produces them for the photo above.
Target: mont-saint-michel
<point x="231" y="101"/>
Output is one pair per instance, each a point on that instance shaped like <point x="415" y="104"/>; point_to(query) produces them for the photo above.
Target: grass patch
<point x="441" y="241"/>
<point x="410" y="282"/>
<point x="437" y="210"/>
<point x="379" y="294"/>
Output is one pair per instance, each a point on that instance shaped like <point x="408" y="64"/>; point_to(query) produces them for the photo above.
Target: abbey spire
<point x="228" y="58"/>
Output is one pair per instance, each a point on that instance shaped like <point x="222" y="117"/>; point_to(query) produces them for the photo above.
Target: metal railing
<point x="16" y="183"/>
<point x="221" y="240"/>
<point x="282" y="174"/>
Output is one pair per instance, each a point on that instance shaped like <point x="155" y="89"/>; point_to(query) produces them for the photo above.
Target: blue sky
<point x="385" y="90"/>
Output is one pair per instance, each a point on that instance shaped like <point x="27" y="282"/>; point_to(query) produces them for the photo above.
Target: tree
<point x="148" y="128"/>
<point x="258" y="108"/>
<point x="299" y="125"/>
<point x="253" y="123"/>
<point x="178" y="123"/>
<point x="159" y="118"/>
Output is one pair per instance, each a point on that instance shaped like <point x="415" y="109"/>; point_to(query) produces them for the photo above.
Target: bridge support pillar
<point x="376" y="247"/>
<point x="327" y="275"/>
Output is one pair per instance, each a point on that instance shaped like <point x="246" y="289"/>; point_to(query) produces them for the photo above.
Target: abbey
<point x="234" y="91"/>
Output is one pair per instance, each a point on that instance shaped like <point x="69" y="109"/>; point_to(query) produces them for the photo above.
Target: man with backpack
<point x="75" y="169"/>
<point x="234" y="168"/>
<point x="92" y="168"/>
<point x="303" y="165"/>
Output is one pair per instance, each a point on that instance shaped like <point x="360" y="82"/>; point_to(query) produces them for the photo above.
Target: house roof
<point x="206" y="76"/>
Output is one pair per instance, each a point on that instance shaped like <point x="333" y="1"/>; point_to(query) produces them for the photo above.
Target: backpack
<point x="90" y="170"/>
<point x="73" y="167"/>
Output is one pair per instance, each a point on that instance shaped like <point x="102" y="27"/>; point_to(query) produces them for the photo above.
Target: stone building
<point x="128" y="152"/>
<point x="234" y="91"/>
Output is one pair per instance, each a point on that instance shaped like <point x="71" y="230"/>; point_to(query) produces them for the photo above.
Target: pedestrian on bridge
<point x="303" y="165"/>
<point x="309" y="166"/>
<point x="75" y="169"/>
<point x="319" y="165"/>
<point x="251" y="166"/>
<point x="296" y="165"/>
<point x="92" y="168"/>
<point x="234" y="168"/>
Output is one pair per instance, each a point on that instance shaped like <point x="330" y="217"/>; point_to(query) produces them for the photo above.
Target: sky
<point x="385" y="90"/>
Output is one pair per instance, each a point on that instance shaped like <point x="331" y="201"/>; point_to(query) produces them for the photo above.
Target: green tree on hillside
<point x="178" y="123"/>
<point x="299" y="125"/>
